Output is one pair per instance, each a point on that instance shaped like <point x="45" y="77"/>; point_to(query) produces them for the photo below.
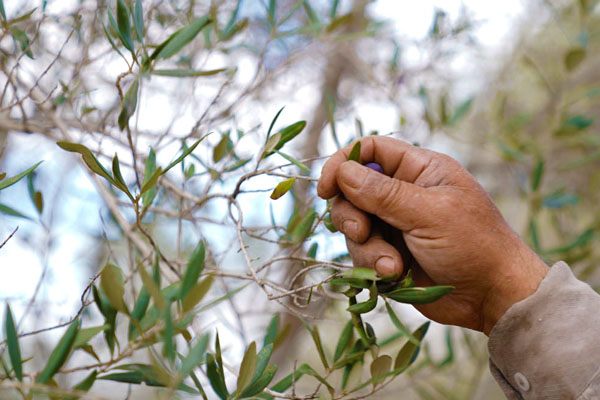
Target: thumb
<point x="399" y="203"/>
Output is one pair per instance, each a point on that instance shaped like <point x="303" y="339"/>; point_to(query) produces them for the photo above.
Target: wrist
<point x="517" y="279"/>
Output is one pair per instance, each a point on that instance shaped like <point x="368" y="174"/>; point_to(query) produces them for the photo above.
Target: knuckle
<point x="391" y="194"/>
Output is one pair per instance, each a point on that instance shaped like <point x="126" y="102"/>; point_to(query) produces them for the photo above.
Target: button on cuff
<point x="521" y="381"/>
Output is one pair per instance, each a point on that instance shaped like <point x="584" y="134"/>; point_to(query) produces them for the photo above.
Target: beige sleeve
<point x="548" y="345"/>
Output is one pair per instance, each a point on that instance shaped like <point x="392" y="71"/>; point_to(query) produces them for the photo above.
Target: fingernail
<point x="385" y="266"/>
<point x="350" y="228"/>
<point x="353" y="174"/>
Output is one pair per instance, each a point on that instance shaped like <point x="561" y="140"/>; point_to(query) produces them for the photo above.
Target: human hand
<point x="427" y="213"/>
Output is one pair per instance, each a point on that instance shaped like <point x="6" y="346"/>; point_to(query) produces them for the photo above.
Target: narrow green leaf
<point x="304" y="227"/>
<point x="222" y="148"/>
<point x="272" y="330"/>
<point x="124" y="27"/>
<point x="4" y="209"/>
<point x="238" y="164"/>
<point x="153" y="289"/>
<point x="12" y="180"/>
<point x="12" y="342"/>
<point x="112" y="22"/>
<point x="21" y="37"/>
<point x="183" y="155"/>
<point x="218" y="357"/>
<point x="334" y="8"/>
<point x="2" y="12"/>
<point x="139" y="310"/>
<point x="574" y="57"/>
<point x="580" y="241"/>
<point x="319" y="345"/>
<point x="460" y="111"/>
<point x="194" y="269"/>
<point x="140" y="373"/>
<point x="138" y="20"/>
<point x="355" y="153"/>
<point x="409" y="352"/>
<point x="294" y="161"/>
<point x="226" y="296"/>
<point x="89" y="159"/>
<point x="111" y="282"/>
<point x="361" y="273"/>
<point x="271" y="12"/>
<point x="271" y="144"/>
<point x="149" y="185"/>
<point x="38" y="201"/>
<point x="262" y="360"/>
<point x="168" y="334"/>
<point x="110" y="316"/>
<point x="259" y="384"/>
<point x="364" y="307"/>
<point x="129" y="103"/>
<point x="186" y="73"/>
<point x="308" y="370"/>
<point x="87" y="382"/>
<point x="381" y="366"/>
<point x="85" y="335"/>
<point x="282" y="188"/>
<point x="420" y="295"/>
<point x="60" y="353"/>
<point x="284" y="384"/>
<point x="399" y="325"/>
<point x="290" y="132"/>
<point x="198" y="386"/>
<point x="273" y="123"/>
<point x="576" y="123"/>
<point x="344" y="340"/>
<point x="117" y="174"/>
<point x="150" y="167"/>
<point x="227" y="33"/>
<point x="560" y="199"/>
<point x="217" y="382"/>
<point x="134" y="377"/>
<point x="247" y="368"/>
<point x="329" y="223"/>
<point x="195" y="356"/>
<point x="196" y="294"/>
<point x="180" y="39"/>
<point x="312" y="15"/>
<point x="536" y="174"/>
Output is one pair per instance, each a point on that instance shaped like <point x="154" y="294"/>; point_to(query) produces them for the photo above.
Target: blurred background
<point x="511" y="89"/>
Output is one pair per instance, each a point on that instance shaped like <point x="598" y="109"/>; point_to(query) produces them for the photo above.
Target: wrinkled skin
<point x="427" y="213"/>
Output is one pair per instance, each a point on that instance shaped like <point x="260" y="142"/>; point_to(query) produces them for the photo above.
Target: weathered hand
<point x="427" y="213"/>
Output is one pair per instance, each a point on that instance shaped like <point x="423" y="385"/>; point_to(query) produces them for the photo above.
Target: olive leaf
<point x="60" y="353"/>
<point x="282" y="188"/>
<point x="111" y="282"/>
<point x="12" y="342"/>
<point x="247" y="368"/>
<point x="419" y="295"/>
<point x="124" y="27"/>
<point x="355" y="153"/>
<point x="180" y="39"/>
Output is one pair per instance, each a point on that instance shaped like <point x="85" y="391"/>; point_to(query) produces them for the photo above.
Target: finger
<point x="397" y="158"/>
<point x="377" y="254"/>
<point x="401" y="204"/>
<point x="351" y="221"/>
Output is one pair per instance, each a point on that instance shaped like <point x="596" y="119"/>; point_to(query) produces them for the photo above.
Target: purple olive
<point x="374" y="167"/>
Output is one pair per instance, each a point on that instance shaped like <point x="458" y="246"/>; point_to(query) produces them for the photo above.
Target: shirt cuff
<point x="547" y="346"/>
